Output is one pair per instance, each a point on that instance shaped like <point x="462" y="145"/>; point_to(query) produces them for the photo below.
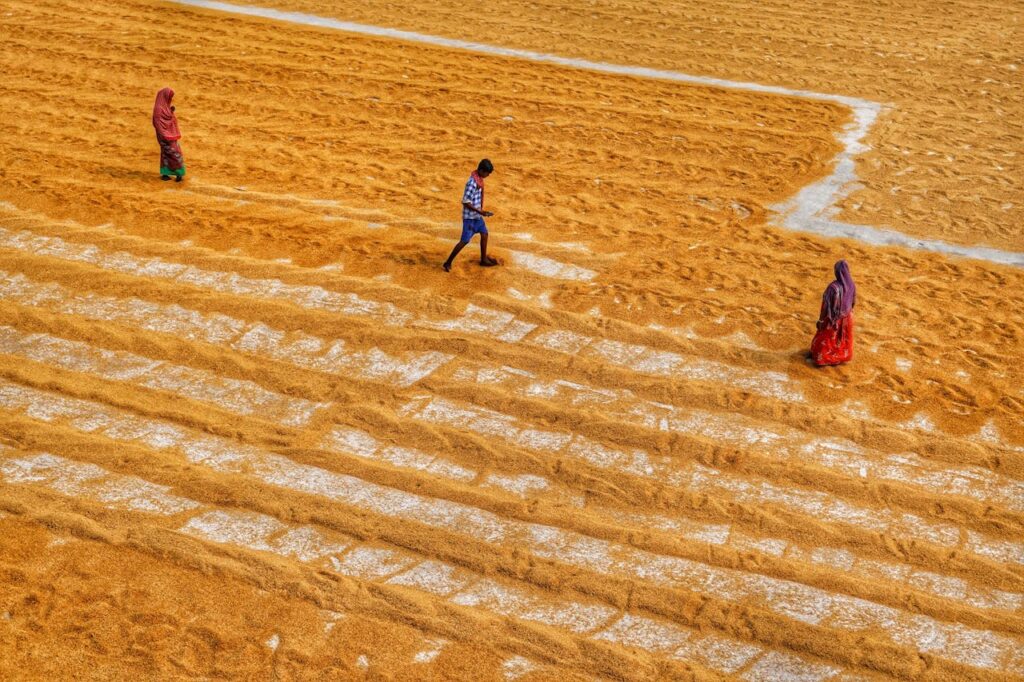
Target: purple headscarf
<point x="840" y="296"/>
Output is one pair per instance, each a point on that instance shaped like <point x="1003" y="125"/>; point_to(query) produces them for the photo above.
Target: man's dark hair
<point x="485" y="166"/>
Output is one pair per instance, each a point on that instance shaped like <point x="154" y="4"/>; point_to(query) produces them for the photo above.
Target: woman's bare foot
<point x="488" y="262"/>
<point x="165" y="178"/>
<point x="447" y="267"/>
<point x="179" y="178"/>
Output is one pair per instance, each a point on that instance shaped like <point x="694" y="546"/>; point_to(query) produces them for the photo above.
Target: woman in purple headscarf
<point x="833" y="344"/>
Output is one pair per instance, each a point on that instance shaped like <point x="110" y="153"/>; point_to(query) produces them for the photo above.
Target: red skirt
<point x="834" y="345"/>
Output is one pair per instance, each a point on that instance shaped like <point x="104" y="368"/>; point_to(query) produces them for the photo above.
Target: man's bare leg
<point x="485" y="260"/>
<point x="455" y="252"/>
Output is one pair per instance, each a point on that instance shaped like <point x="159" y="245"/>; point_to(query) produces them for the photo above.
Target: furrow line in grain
<point x="240" y="397"/>
<point x="245" y="398"/>
<point x="300" y="349"/>
<point x="503" y="326"/>
<point x="385" y="564"/>
<point x="809" y="612"/>
<point x="96" y="497"/>
<point x="475" y="320"/>
<point x="841" y="456"/>
<point x="696" y="477"/>
<point x="528" y="487"/>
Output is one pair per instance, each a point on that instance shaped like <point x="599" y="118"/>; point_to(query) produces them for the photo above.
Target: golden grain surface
<point x="250" y="429"/>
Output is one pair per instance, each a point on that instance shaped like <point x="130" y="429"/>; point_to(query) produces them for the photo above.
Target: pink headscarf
<point x="164" y="120"/>
<point x="840" y="296"/>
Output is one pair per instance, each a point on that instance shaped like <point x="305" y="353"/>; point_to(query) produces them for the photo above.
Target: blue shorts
<point x="471" y="226"/>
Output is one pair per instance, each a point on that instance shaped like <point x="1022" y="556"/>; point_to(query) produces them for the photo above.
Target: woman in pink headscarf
<point x="167" y="134"/>
<point x="833" y="344"/>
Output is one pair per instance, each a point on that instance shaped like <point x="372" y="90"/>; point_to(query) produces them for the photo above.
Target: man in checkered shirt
<point x="473" y="215"/>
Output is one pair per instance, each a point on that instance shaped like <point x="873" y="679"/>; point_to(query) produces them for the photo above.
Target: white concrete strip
<point x="808" y="211"/>
<point x="989" y="435"/>
<point x="839" y="455"/>
<point x="516" y="667"/>
<point x="550" y="268"/>
<point x="543" y="300"/>
<point x="253" y="338"/>
<point x="811" y="605"/>
<point x="776" y="666"/>
<point x="266" y="534"/>
<point x="452" y="43"/>
<point x="431" y="651"/>
<point x="698" y="478"/>
<point x="494" y="596"/>
<point x="241" y="397"/>
<point x="350" y="441"/>
<point x="793" y="219"/>
<point x="76" y="479"/>
<point x="495" y="324"/>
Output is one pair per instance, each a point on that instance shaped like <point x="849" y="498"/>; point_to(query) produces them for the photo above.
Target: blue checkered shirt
<point x="473" y="196"/>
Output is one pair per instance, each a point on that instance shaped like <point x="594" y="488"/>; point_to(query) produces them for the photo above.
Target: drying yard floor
<point x="250" y="429"/>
